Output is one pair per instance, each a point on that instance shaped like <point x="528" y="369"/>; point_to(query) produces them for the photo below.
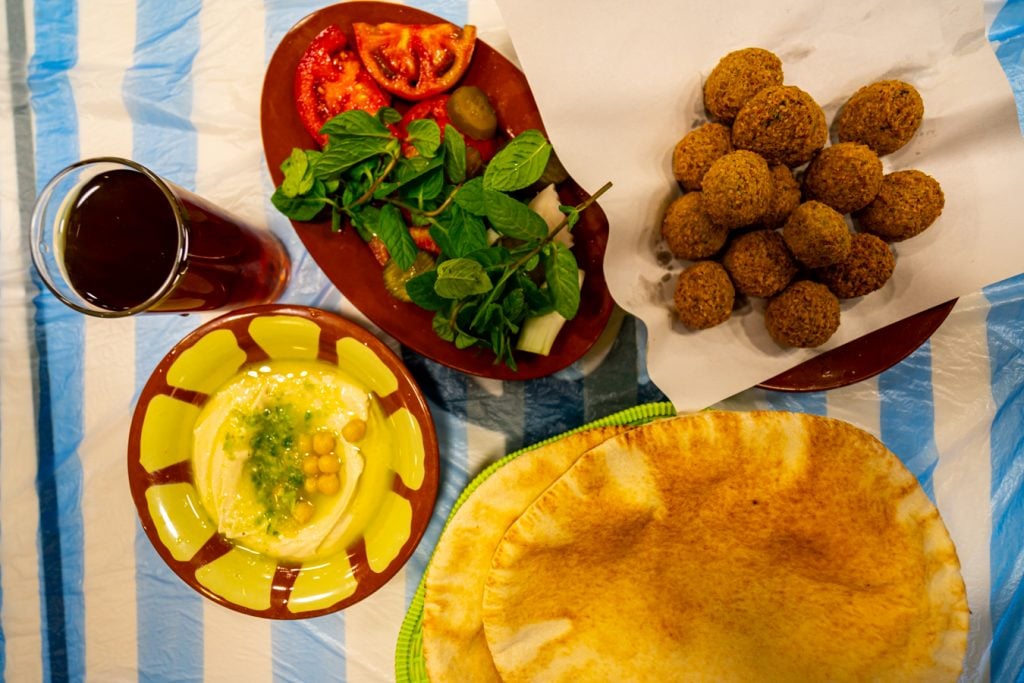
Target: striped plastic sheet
<point x="176" y="86"/>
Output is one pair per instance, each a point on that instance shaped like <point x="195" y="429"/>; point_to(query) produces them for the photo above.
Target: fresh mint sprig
<point x="481" y="290"/>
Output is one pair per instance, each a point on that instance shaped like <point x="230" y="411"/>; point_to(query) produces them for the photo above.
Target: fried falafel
<point x="704" y="295"/>
<point x="883" y="116"/>
<point x="906" y="204"/>
<point x="781" y="123"/>
<point x="846" y="176"/>
<point x="759" y="263"/>
<point x="804" y="315"/>
<point x="737" y="189"/>
<point x="688" y="231"/>
<point x="737" y="77"/>
<point x="694" y="154"/>
<point x="785" y="197"/>
<point x="817" y="235"/>
<point x="867" y="268"/>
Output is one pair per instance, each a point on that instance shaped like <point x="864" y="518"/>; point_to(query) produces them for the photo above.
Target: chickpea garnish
<point x="328" y="484"/>
<point x="309" y="485"/>
<point x="303" y="511"/>
<point x="328" y="464"/>
<point x="354" y="430"/>
<point x="323" y="443"/>
<point x="310" y="464"/>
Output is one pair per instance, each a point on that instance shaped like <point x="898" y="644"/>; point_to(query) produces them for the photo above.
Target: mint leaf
<point x="454" y="155"/>
<point x="356" y="123"/>
<point x="425" y="136"/>
<point x="421" y="290"/>
<point x="304" y="207"/>
<point x="538" y="301"/>
<point x="388" y="115"/>
<point x="409" y="169"/>
<point x="561" y="274"/>
<point x="298" y="176"/>
<point x="442" y="325"/>
<point x="491" y="257"/>
<point x="353" y="137"/>
<point x="514" y="305"/>
<point x="464" y="341"/>
<point x="366" y="220"/>
<point x="471" y="197"/>
<point x="520" y="164"/>
<point x="461" y="277"/>
<point x="512" y="218"/>
<point x="492" y="316"/>
<point x="458" y="232"/>
<point x="395" y="235"/>
<point x="342" y="154"/>
<point x="424" y="187"/>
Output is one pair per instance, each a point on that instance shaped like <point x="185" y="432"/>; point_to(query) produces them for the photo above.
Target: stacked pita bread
<point x="720" y="546"/>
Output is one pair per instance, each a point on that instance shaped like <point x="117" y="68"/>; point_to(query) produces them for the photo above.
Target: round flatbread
<point x="454" y="648"/>
<point x="724" y="546"/>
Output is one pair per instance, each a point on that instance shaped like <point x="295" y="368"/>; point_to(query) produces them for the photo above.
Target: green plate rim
<point x="409" y="664"/>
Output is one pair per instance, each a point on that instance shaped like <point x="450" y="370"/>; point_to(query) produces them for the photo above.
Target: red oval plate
<point x="345" y="258"/>
<point x="863" y="357"/>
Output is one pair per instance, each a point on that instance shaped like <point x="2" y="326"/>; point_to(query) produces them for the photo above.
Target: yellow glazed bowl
<point x="183" y="532"/>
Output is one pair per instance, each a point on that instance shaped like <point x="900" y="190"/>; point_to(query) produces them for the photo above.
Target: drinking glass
<point x="111" y="238"/>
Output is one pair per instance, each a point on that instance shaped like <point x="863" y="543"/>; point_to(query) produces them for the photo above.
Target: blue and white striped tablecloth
<point x="175" y="84"/>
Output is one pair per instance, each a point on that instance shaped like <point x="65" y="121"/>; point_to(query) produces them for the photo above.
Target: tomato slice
<point x="415" y="61"/>
<point x="330" y="79"/>
<point x="437" y="109"/>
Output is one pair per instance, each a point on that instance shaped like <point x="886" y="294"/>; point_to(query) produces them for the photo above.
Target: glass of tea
<point x="110" y="238"/>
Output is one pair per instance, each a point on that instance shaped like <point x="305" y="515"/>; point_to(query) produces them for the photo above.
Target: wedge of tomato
<point x="331" y="79"/>
<point x="415" y="61"/>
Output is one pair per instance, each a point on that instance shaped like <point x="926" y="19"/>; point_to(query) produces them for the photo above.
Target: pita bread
<point x="454" y="648"/>
<point x="729" y="547"/>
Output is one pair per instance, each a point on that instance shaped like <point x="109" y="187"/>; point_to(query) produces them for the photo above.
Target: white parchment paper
<point x="619" y="83"/>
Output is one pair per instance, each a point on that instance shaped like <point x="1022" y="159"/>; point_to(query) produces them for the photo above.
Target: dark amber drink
<point x="110" y="239"/>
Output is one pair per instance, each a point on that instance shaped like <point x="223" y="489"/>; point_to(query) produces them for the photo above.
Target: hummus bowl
<point x="283" y="462"/>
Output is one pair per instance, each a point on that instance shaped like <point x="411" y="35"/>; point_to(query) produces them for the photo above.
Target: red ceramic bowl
<point x="387" y="512"/>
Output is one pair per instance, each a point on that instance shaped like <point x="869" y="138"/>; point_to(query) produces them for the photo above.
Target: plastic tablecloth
<point x="176" y="86"/>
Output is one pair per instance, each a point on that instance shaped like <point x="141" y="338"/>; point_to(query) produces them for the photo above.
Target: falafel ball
<point x="688" y="231"/>
<point x="737" y="77"/>
<point x="694" y="154"/>
<point x="783" y="124"/>
<point x="868" y="266"/>
<point x="883" y="116"/>
<point x="737" y="189"/>
<point x="759" y="263"/>
<point x="805" y="315"/>
<point x="817" y="235"/>
<point x="785" y="197"/>
<point x="704" y="295"/>
<point x="846" y="176"/>
<point x="906" y="204"/>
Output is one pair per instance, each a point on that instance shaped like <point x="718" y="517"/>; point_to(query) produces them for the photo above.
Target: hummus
<point x="252" y="450"/>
